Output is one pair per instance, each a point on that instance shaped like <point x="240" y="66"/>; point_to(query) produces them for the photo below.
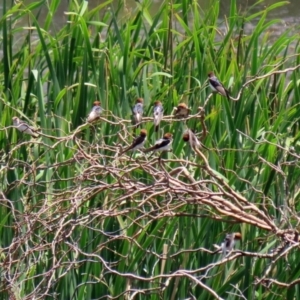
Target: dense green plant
<point x="80" y="222"/>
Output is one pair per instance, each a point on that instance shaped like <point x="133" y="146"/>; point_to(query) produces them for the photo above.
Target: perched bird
<point x="229" y="242"/>
<point x="95" y="112"/>
<point x="163" y="144"/>
<point x="181" y="111"/>
<point x="158" y="113"/>
<point x="189" y="136"/>
<point x="138" y="142"/>
<point x="24" y="127"/>
<point x="217" y="86"/>
<point x="138" y="111"/>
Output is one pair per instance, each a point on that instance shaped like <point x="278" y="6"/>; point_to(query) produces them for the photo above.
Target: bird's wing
<point x="139" y="140"/>
<point x="215" y="83"/>
<point x="161" y="143"/>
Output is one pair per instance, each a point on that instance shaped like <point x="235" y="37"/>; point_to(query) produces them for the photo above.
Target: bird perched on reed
<point x="181" y="111"/>
<point x="95" y="112"/>
<point x="138" y="142"/>
<point x="138" y="111"/>
<point x="163" y="144"/>
<point x="24" y="127"/>
<point x="229" y="242"/>
<point x="217" y="86"/>
<point x="158" y="112"/>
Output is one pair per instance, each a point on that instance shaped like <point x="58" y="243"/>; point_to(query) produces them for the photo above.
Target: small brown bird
<point x="229" y="242"/>
<point x="138" y="111"/>
<point x="189" y="136"/>
<point x="95" y="112"/>
<point x="24" y="127"/>
<point x="181" y="111"/>
<point x="217" y="86"/>
<point x="158" y="113"/>
<point x="138" y="142"/>
<point x="163" y="144"/>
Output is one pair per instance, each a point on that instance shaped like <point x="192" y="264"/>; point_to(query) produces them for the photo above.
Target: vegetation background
<point x="79" y="222"/>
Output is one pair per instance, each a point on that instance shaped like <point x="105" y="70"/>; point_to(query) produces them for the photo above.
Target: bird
<point x="95" y="112"/>
<point x="24" y="127"/>
<point x="138" y="111"/>
<point x="229" y="242"/>
<point x="163" y="144"/>
<point x="189" y="136"/>
<point x="138" y="142"/>
<point x="181" y="111"/>
<point x="158" y="112"/>
<point x="217" y="86"/>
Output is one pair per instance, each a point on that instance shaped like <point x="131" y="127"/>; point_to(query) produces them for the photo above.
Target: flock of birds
<point x="163" y="144"/>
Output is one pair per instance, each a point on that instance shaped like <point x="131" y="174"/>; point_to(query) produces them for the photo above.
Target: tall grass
<point x="78" y="222"/>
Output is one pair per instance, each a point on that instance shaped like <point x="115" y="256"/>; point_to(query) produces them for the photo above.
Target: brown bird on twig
<point x="181" y="111"/>
<point x="24" y="127"/>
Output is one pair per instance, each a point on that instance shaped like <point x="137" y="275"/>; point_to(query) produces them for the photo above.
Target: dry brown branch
<point x="141" y="189"/>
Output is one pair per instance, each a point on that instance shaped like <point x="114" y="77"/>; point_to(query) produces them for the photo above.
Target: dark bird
<point x="163" y="144"/>
<point x="138" y="142"/>
<point x="158" y="112"/>
<point x="217" y="86"/>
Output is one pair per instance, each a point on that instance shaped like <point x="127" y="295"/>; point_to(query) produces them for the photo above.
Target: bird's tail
<point x="34" y="133"/>
<point x="149" y="149"/>
<point x="125" y="150"/>
<point x="227" y="94"/>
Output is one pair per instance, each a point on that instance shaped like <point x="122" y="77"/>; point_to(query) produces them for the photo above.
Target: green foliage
<point x="79" y="222"/>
